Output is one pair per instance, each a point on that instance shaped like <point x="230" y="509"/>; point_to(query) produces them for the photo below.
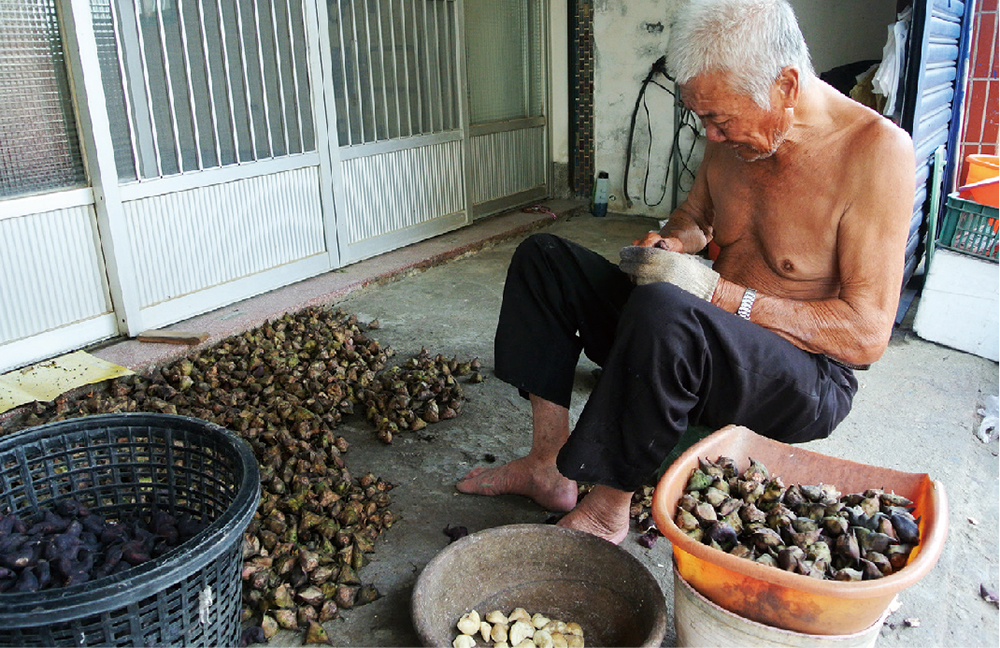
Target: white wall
<point x="627" y="42"/>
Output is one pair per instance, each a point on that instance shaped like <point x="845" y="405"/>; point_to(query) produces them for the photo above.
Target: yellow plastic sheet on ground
<point x="46" y="380"/>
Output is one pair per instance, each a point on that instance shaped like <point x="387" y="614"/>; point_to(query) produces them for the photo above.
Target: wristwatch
<point x="747" y="303"/>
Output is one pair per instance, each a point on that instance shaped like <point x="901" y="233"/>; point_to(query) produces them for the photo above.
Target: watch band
<point x="747" y="303"/>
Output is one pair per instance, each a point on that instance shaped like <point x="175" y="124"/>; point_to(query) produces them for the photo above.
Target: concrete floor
<point x="916" y="411"/>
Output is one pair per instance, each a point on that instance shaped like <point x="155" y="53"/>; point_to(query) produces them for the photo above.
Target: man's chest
<point x="788" y="216"/>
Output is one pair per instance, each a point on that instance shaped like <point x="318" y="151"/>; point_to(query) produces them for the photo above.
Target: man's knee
<point x="532" y="250"/>
<point x="537" y="243"/>
<point x="648" y="304"/>
<point x="539" y="253"/>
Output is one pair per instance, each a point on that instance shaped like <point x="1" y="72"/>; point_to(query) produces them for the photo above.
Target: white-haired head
<point x="751" y="40"/>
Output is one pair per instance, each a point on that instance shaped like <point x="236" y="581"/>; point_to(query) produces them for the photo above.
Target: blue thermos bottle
<point x="600" y="206"/>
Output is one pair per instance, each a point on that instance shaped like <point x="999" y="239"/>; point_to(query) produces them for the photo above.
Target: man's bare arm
<point x="855" y="326"/>
<point x="689" y="227"/>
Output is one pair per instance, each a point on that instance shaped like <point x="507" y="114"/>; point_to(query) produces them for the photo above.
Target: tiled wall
<point x="979" y="133"/>
<point x="581" y="102"/>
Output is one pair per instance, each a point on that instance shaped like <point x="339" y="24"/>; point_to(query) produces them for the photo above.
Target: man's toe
<point x="472" y="474"/>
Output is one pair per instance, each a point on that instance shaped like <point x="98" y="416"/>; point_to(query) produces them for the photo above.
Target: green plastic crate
<point x="970" y="228"/>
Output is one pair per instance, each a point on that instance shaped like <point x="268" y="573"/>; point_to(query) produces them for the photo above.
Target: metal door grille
<point x="39" y="148"/>
<point x="394" y="68"/>
<point x="199" y="84"/>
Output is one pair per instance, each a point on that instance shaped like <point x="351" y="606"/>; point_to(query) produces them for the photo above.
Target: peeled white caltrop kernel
<point x="574" y="641"/>
<point x="519" y="614"/>
<point x="555" y="626"/>
<point x="526" y="643"/>
<point x="463" y="641"/>
<point x="496" y="616"/>
<point x="539" y="621"/>
<point x="469" y="623"/>
<point x="485" y="629"/>
<point x="499" y="633"/>
<point x="501" y="644"/>
<point x="574" y="628"/>
<point x="542" y="639"/>
<point x="520" y="631"/>
<point x="559" y="640"/>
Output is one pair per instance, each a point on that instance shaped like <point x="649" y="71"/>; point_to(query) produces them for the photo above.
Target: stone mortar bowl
<point x="565" y="574"/>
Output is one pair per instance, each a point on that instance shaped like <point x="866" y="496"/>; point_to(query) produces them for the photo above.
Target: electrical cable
<point x="685" y="120"/>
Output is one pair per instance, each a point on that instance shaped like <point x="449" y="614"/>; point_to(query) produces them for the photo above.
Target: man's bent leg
<point x="678" y="360"/>
<point x="534" y="475"/>
<point x="559" y="298"/>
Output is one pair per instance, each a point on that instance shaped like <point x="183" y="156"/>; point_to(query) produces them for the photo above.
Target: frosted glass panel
<point x="504" y="53"/>
<point x="39" y="148"/>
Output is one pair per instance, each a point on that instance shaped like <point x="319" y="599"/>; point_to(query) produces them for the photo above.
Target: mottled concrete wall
<point x="629" y="37"/>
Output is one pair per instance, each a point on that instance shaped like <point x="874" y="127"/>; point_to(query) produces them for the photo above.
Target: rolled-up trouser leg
<point x="678" y="360"/>
<point x="559" y="298"/>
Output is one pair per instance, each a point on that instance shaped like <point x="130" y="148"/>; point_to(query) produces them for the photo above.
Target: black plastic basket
<point x="125" y="464"/>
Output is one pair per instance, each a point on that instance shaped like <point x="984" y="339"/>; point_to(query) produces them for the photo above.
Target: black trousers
<point x="669" y="360"/>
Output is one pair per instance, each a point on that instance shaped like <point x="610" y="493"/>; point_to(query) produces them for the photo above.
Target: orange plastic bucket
<point x="782" y="599"/>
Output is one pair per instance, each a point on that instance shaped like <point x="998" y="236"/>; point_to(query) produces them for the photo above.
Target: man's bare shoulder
<point x="886" y="138"/>
<point x="880" y="170"/>
<point x="874" y="140"/>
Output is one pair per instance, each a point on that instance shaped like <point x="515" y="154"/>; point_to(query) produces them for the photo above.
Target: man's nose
<point x="714" y="133"/>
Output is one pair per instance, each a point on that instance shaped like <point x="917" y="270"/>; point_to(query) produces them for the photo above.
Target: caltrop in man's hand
<point x="654" y="239"/>
<point x="653" y="264"/>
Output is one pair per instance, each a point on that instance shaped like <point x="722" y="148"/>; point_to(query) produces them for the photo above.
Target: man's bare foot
<point x="603" y="513"/>
<point x="541" y="482"/>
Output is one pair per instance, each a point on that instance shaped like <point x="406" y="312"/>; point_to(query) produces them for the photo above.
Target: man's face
<point x="735" y="120"/>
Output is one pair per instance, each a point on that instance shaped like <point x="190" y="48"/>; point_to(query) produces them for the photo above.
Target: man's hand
<point x="653" y="239"/>
<point x="647" y="264"/>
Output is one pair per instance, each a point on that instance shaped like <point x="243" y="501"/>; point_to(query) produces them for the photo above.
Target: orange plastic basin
<point x="981" y="167"/>
<point x="984" y="192"/>
<point x="783" y="599"/>
<point x="982" y="184"/>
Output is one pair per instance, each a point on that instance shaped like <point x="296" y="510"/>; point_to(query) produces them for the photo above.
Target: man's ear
<point x="787" y="87"/>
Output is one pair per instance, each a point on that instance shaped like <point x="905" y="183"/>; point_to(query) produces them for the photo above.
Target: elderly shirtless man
<point x="808" y="196"/>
